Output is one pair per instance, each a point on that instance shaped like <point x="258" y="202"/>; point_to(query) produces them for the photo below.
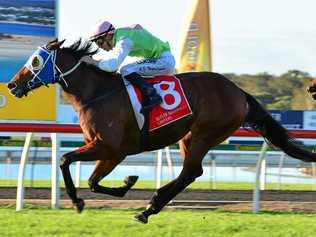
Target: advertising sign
<point x="40" y="105"/>
<point x="25" y="25"/>
<point x="309" y="120"/>
<point x="196" y="48"/>
<point x="290" y="119"/>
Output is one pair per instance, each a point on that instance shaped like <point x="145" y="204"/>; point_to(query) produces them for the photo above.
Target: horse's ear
<point x="55" y="44"/>
<point x="60" y="43"/>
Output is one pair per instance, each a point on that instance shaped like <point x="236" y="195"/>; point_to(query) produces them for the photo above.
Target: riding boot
<point x="152" y="98"/>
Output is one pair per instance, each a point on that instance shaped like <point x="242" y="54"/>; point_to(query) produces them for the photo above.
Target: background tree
<point x="286" y="91"/>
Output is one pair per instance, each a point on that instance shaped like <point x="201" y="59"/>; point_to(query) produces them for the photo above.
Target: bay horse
<point x="110" y="130"/>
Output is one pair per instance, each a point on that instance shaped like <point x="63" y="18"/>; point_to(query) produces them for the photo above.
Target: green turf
<point x="151" y="184"/>
<point x="106" y="222"/>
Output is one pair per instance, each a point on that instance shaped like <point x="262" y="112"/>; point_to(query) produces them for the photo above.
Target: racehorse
<point x="110" y="130"/>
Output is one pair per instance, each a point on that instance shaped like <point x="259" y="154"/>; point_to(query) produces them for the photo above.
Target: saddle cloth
<point x="173" y="107"/>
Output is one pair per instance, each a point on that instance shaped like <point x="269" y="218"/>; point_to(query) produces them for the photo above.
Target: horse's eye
<point x="37" y="62"/>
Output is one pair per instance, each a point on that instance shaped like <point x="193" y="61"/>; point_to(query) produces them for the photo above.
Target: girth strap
<point x="144" y="133"/>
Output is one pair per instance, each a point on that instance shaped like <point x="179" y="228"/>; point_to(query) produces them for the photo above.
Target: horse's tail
<point x="262" y="122"/>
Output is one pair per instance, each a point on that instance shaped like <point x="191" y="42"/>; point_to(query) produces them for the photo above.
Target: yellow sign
<point x="40" y="104"/>
<point x="196" y="47"/>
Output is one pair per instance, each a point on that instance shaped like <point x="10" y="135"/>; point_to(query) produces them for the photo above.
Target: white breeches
<point x="151" y="67"/>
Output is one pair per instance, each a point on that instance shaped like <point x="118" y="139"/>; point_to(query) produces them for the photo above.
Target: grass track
<point x="106" y="222"/>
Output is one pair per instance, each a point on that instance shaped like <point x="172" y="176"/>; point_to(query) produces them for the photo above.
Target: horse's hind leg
<point x="88" y="152"/>
<point x="103" y="168"/>
<point x="192" y="168"/>
<point x="184" y="144"/>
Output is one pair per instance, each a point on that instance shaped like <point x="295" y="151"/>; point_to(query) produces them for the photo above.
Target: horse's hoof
<point x="141" y="218"/>
<point x="130" y="180"/>
<point x="79" y="205"/>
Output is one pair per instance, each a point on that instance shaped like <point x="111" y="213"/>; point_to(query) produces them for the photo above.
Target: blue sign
<point x="290" y="119"/>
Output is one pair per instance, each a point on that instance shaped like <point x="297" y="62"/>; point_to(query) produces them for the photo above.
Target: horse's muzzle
<point x="15" y="90"/>
<point x="11" y="85"/>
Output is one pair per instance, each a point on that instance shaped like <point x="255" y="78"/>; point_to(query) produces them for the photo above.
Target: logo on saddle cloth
<point x="174" y="106"/>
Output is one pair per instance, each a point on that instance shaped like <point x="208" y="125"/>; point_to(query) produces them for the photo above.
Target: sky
<point x="248" y="36"/>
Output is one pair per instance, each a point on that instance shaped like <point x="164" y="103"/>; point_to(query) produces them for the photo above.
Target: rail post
<point x="160" y="166"/>
<point x="55" y="189"/>
<point x="24" y="158"/>
<point x="256" y="191"/>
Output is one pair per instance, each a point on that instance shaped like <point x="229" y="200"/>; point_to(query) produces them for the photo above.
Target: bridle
<point x="49" y="73"/>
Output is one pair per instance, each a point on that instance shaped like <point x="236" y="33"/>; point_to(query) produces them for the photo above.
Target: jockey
<point x="137" y="42"/>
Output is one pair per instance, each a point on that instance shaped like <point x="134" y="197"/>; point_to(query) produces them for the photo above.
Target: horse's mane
<point x="81" y="48"/>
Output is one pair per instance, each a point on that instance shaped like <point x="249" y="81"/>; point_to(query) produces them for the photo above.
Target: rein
<point x="102" y="97"/>
<point x="62" y="75"/>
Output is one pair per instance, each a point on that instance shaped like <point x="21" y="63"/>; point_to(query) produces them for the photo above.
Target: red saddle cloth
<point x="174" y="106"/>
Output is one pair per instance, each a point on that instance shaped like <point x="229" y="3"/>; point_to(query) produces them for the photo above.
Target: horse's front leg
<point x="103" y="168"/>
<point x="89" y="152"/>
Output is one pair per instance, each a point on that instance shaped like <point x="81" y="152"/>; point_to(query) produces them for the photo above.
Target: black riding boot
<point x="152" y="98"/>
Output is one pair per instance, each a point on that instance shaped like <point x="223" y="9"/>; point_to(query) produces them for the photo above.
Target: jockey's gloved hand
<point x="89" y="60"/>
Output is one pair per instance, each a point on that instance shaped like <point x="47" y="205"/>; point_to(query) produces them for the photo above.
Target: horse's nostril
<point x="11" y="85"/>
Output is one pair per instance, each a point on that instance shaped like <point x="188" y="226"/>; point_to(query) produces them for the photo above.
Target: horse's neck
<point x="86" y="85"/>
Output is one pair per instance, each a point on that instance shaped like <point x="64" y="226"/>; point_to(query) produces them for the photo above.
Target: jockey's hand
<point x="89" y="60"/>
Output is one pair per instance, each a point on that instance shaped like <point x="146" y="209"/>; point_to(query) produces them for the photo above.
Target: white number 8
<point x="169" y="91"/>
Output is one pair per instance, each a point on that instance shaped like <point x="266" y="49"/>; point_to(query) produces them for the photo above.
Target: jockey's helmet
<point x="101" y="29"/>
